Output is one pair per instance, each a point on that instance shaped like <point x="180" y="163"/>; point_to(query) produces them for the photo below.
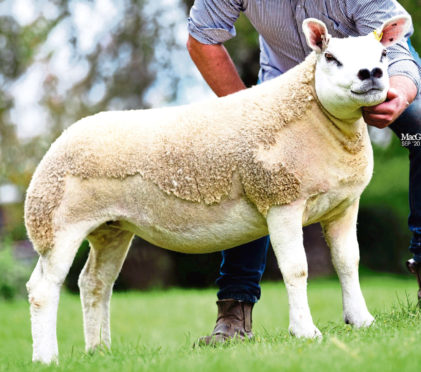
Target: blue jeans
<point x="242" y="267"/>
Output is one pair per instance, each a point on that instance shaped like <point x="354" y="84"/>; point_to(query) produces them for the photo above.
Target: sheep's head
<point x="352" y="72"/>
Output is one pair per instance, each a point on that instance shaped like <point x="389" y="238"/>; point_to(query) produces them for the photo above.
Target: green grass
<point x="155" y="330"/>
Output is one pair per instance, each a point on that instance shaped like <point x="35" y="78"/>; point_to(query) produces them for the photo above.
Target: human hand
<point x="384" y="114"/>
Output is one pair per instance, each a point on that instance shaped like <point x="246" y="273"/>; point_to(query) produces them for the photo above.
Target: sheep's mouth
<point x="367" y="92"/>
<point x="367" y="87"/>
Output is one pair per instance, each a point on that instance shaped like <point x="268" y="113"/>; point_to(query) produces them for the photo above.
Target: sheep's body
<point x="217" y="163"/>
<point x="210" y="176"/>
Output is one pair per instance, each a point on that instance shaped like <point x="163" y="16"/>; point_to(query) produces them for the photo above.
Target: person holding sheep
<point x="282" y="46"/>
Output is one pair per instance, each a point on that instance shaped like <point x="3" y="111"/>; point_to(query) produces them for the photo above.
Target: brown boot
<point x="415" y="268"/>
<point x="233" y="322"/>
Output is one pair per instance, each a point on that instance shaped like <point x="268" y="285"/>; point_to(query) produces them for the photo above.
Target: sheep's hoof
<point x="360" y="321"/>
<point x="414" y="267"/>
<point x="310" y="331"/>
<point x="45" y="359"/>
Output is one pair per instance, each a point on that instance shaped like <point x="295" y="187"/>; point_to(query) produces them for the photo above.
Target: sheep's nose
<point x="377" y="72"/>
<point x="365" y="74"/>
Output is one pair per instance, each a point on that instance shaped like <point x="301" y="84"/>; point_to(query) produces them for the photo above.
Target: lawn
<point x="155" y="331"/>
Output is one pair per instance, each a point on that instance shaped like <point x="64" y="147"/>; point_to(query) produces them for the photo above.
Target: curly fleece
<point x="188" y="151"/>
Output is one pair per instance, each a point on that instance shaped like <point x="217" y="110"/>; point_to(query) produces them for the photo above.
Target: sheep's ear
<point x="316" y="34"/>
<point x="393" y="30"/>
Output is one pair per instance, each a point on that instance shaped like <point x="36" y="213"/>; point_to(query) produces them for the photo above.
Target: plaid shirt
<point x="282" y="42"/>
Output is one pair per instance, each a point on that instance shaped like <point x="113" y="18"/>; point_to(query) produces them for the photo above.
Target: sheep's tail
<point x="42" y="199"/>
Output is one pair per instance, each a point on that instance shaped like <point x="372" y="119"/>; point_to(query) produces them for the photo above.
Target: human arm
<point x="216" y="67"/>
<point x="210" y="24"/>
<point x="401" y="93"/>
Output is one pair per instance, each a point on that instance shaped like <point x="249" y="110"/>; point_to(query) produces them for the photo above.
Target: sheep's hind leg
<point x="44" y="291"/>
<point x="109" y="247"/>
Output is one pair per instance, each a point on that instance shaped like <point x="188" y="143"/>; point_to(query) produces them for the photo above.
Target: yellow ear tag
<point x="378" y="36"/>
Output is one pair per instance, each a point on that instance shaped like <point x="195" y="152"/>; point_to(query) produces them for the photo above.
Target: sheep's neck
<point x="349" y="127"/>
<point x="349" y="132"/>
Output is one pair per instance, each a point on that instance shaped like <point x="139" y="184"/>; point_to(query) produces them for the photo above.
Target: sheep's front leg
<point x="341" y="236"/>
<point x="286" y="234"/>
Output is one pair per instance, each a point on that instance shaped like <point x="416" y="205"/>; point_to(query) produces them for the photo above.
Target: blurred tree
<point x="383" y="242"/>
<point x="115" y="72"/>
<point x="414" y="9"/>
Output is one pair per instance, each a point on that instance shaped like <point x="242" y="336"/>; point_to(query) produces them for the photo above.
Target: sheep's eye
<point x="330" y="58"/>
<point x="384" y="54"/>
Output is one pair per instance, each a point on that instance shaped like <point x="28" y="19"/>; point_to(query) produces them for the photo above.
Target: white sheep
<point x="210" y="176"/>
